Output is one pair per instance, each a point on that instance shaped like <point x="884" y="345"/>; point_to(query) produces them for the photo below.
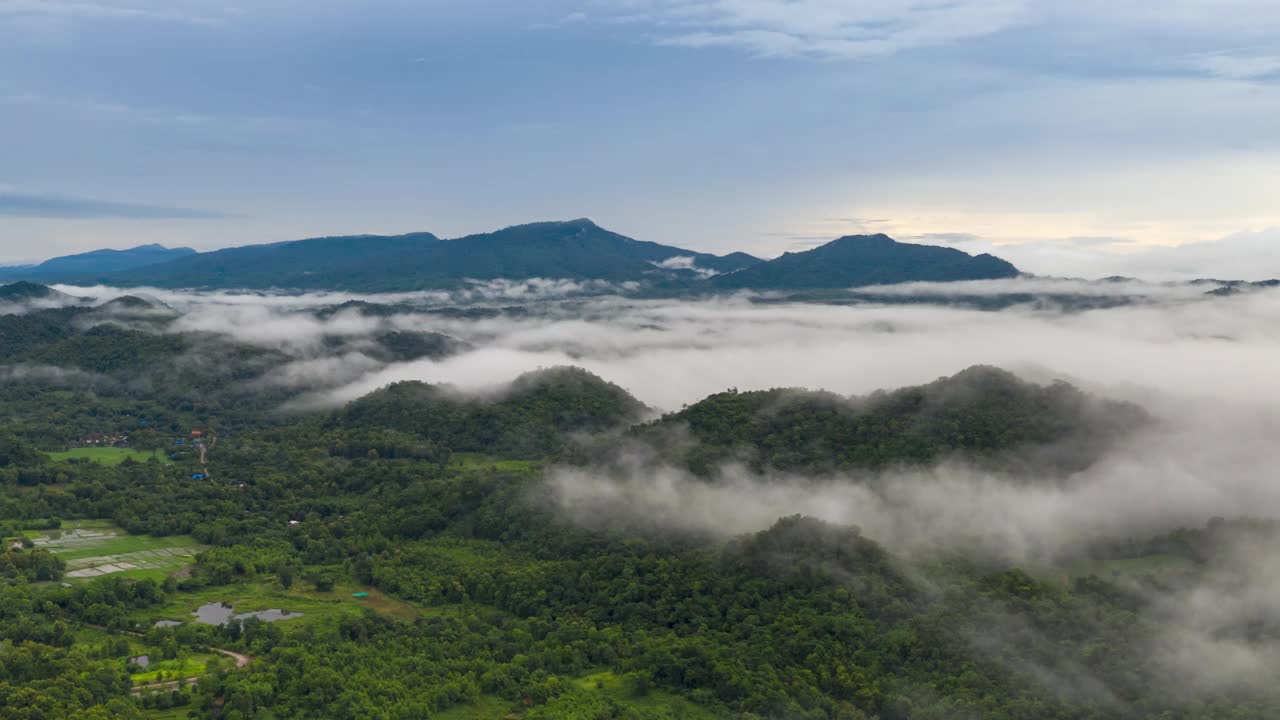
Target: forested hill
<point x="98" y="263"/>
<point x="861" y="260"/>
<point x="982" y="413"/>
<point x="23" y="291"/>
<point x="575" y="250"/>
<point x="532" y="418"/>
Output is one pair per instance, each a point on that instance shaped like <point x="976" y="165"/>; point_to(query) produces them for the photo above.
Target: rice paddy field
<point x="95" y="548"/>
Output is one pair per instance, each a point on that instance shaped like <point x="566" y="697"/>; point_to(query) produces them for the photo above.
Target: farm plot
<point x="162" y="559"/>
<point x="96" y="551"/>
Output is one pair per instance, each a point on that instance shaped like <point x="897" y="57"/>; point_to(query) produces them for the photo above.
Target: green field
<point x="477" y="461"/>
<point x="87" y="635"/>
<point x="173" y="669"/>
<point x="108" y="455"/>
<point x="93" y="548"/>
<point x="658" y="701"/>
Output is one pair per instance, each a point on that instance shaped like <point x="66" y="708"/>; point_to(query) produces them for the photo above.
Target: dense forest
<point x="425" y="568"/>
<point x="981" y="412"/>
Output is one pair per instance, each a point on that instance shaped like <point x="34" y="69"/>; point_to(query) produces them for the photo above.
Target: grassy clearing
<point x="659" y="702"/>
<point x="88" y="636"/>
<point x="377" y="601"/>
<point x="476" y="461"/>
<point x="268" y="595"/>
<point x="108" y="455"/>
<point x="162" y="670"/>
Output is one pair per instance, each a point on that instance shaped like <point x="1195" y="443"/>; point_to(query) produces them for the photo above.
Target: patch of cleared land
<point x="161" y="670"/>
<point x="661" y="701"/>
<point x="477" y="461"/>
<point x="108" y="455"/>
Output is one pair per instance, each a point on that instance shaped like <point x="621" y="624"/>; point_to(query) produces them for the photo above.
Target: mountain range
<point x="578" y="250"/>
<point x="96" y="263"/>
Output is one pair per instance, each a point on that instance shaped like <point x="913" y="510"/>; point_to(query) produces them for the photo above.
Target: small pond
<point x="221" y="614"/>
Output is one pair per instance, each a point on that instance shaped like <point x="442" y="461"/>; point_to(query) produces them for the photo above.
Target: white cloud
<point x="824" y="28"/>
<point x="70" y="9"/>
<point x="685" y="262"/>
<point x="853" y="29"/>
<point x="1244" y="255"/>
<point x="569" y="19"/>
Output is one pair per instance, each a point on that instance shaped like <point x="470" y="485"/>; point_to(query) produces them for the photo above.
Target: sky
<point x="1071" y="138"/>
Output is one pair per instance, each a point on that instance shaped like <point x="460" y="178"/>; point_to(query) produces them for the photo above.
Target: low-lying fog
<point x="1177" y="343"/>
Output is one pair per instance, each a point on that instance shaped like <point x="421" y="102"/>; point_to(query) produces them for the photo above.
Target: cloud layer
<point x="830" y="29"/>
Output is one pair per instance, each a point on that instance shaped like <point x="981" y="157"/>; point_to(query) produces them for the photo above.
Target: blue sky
<point x="1069" y="136"/>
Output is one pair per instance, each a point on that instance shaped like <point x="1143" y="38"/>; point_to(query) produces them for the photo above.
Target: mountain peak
<point x="876" y="239"/>
<point x="575" y="224"/>
<point x="157" y="247"/>
<point x="862" y="260"/>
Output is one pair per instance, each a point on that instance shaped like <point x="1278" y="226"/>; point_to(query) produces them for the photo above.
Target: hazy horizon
<point x="1244" y="256"/>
